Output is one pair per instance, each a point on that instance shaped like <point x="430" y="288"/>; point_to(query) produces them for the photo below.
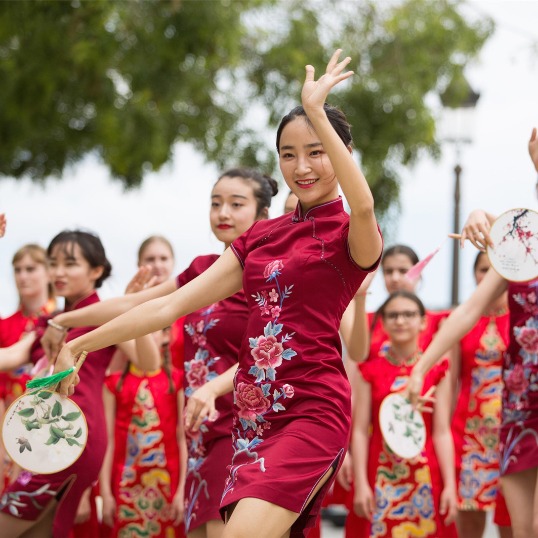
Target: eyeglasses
<point x="405" y="314"/>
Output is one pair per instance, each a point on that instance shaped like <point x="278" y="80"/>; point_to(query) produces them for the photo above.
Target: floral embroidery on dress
<point x="521" y="380"/>
<point x="262" y="395"/>
<point x="15" y="500"/>
<point x="198" y="371"/>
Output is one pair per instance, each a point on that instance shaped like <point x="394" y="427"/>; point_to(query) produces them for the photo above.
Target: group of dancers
<point x="218" y="403"/>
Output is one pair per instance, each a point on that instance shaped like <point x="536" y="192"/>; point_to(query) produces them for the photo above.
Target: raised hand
<point x="2" y="224"/>
<point x="476" y="230"/>
<point x="315" y="92"/>
<point x="143" y="279"/>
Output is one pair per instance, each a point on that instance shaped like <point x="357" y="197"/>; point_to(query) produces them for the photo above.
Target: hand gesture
<point x="364" y="501"/>
<point x="65" y="361"/>
<point x="143" y="279"/>
<point x="476" y="230"/>
<point x="315" y="92"/>
<point x="2" y="224"/>
<point x="201" y="406"/>
<point x="533" y="149"/>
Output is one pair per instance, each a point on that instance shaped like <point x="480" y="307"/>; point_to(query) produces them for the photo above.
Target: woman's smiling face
<point x="306" y="167"/>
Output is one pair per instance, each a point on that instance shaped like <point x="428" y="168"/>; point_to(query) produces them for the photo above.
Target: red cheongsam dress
<point x="146" y="461"/>
<point x="519" y="427"/>
<point x="477" y="417"/>
<point x="292" y="398"/>
<point x="212" y="339"/>
<point x="407" y="491"/>
<point x="30" y="493"/>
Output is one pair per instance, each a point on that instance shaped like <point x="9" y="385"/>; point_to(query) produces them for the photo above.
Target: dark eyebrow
<point x="313" y="145"/>
<point x="233" y="196"/>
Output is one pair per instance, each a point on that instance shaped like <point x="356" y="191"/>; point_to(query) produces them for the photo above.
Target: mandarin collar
<point x="91" y="298"/>
<point x="328" y="209"/>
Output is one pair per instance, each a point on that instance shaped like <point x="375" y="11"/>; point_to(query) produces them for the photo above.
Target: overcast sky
<point x="497" y="175"/>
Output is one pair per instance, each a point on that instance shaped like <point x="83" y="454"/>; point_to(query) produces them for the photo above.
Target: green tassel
<point x="50" y="381"/>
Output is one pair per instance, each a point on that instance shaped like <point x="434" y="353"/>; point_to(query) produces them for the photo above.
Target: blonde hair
<point x="38" y="255"/>
<point x="154" y="239"/>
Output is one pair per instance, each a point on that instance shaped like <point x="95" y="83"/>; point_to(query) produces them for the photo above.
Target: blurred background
<point x="118" y="117"/>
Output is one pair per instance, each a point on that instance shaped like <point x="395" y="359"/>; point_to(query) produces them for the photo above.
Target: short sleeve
<point x="439" y="371"/>
<point x="243" y="244"/>
<point x="196" y="268"/>
<point x="111" y="382"/>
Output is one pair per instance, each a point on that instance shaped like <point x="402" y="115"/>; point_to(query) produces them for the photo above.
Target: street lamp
<point x="459" y="101"/>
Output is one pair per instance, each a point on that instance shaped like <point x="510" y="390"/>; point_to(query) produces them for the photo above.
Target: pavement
<point x="329" y="530"/>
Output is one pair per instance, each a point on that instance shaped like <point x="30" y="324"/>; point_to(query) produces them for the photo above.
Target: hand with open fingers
<point x="345" y="474"/>
<point x="364" y="501"/>
<point x="178" y="507"/>
<point x="143" y="279"/>
<point x="2" y="224"/>
<point x="476" y="230"/>
<point x="314" y="92"/>
<point x="533" y="148"/>
<point x="200" y="407"/>
<point x="448" y="506"/>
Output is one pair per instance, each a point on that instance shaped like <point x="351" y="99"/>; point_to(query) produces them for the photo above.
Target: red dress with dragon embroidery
<point x="407" y="491"/>
<point x="146" y="462"/>
<point x="477" y="417"/>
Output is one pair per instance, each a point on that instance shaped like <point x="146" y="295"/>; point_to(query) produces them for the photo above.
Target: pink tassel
<point x="414" y="273"/>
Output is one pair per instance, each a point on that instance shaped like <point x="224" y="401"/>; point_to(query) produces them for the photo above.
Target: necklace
<point x="404" y="361"/>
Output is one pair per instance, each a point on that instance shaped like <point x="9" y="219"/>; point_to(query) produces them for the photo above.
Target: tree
<point x="130" y="79"/>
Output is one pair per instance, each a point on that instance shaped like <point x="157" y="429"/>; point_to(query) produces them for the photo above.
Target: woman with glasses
<point x="396" y="496"/>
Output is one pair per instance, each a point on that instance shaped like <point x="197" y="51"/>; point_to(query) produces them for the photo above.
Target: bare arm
<point x="178" y="506"/>
<point x="354" y="325"/>
<point x="460" y="321"/>
<point x="533" y="148"/>
<point x="17" y="354"/>
<point x="364" y="240"/>
<point x="444" y="449"/>
<point x="363" y="502"/>
<point x="105" y="475"/>
<point x="222" y="279"/>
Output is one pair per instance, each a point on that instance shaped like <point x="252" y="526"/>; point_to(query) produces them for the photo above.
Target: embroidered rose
<point x="516" y="382"/>
<point x="527" y="338"/>
<point x="251" y="401"/>
<point x="196" y="375"/>
<point x="268" y="352"/>
<point x="288" y="391"/>
<point x="200" y="340"/>
<point x="272" y="268"/>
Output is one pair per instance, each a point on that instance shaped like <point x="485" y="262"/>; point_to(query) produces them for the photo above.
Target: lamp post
<point x="459" y="101"/>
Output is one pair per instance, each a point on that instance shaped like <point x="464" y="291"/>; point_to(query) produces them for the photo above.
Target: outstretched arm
<point x="17" y="354"/>
<point x="364" y="239"/>
<point x="222" y="279"/>
<point x="455" y="327"/>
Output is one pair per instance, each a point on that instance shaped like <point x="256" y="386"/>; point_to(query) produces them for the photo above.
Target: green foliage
<point x="129" y="79"/>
